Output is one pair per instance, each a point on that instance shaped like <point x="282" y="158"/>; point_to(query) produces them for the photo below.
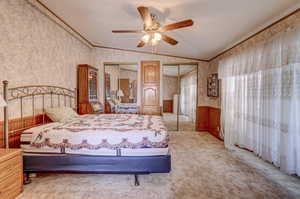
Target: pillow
<point x="97" y="107"/>
<point x="60" y="114"/>
<point x="70" y="113"/>
<point x="111" y="103"/>
<point x="54" y="114"/>
<point x="116" y="101"/>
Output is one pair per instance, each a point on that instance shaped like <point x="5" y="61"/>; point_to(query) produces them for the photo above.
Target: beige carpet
<point x="185" y="124"/>
<point x="202" y="168"/>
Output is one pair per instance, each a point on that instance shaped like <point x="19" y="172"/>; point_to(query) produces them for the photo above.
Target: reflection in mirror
<point x="170" y="96"/>
<point x="180" y="96"/>
<point x="188" y="97"/>
<point x="121" y="88"/>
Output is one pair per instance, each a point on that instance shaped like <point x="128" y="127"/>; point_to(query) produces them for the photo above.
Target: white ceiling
<point x="217" y="23"/>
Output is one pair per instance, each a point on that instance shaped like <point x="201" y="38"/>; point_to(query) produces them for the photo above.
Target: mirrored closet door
<point x="188" y="97"/>
<point x="121" y="88"/>
<point x="170" y="94"/>
<point x="180" y="96"/>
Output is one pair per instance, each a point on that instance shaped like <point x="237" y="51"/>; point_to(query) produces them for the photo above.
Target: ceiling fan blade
<point x="146" y="16"/>
<point x="141" y="44"/>
<point x="168" y="39"/>
<point x="128" y="31"/>
<point x="181" y="24"/>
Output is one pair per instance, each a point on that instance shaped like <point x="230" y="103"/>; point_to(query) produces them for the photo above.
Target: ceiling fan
<point x="153" y="31"/>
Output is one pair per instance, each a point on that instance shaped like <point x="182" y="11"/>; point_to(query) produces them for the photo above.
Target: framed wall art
<point x="213" y="85"/>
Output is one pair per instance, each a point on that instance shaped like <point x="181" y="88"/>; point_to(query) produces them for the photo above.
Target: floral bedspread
<point x="104" y="131"/>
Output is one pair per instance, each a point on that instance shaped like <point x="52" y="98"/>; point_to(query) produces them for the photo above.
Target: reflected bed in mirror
<point x="121" y="88"/>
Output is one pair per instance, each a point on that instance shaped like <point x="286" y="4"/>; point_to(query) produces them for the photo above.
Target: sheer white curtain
<point x="188" y="92"/>
<point x="261" y="100"/>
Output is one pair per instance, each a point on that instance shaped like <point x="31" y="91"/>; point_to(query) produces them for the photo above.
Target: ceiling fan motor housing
<point x="154" y="24"/>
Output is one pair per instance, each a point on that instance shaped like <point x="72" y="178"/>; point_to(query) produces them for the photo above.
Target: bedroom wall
<point x="283" y="25"/>
<point x="102" y="55"/>
<point x="206" y="70"/>
<point x="170" y="87"/>
<point x="35" y="49"/>
<point x="211" y="101"/>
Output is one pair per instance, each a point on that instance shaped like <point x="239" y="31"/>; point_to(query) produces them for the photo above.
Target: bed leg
<point x="136" y="180"/>
<point x="27" y="178"/>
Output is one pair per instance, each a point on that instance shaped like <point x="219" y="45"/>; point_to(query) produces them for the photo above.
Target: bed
<point x="98" y="143"/>
<point x="99" y="134"/>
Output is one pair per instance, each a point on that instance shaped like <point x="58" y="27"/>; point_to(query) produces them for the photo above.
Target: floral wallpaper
<point x="206" y="69"/>
<point x="35" y="49"/>
<point x="170" y="87"/>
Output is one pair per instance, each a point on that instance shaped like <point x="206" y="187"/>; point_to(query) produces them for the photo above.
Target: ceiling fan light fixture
<point x="146" y="38"/>
<point x="154" y="42"/>
<point x="157" y="36"/>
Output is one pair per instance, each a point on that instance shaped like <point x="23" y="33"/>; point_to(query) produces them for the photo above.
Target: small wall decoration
<point x="213" y="85"/>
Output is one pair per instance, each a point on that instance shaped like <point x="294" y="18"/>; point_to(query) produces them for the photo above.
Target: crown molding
<point x="179" y="63"/>
<point x="120" y="63"/>
<point x="145" y="52"/>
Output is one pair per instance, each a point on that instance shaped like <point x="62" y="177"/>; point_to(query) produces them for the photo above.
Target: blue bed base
<point x="97" y="164"/>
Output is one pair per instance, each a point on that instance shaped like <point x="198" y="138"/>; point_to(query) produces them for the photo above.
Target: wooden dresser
<point x="87" y="88"/>
<point x="11" y="173"/>
<point x="150" y="88"/>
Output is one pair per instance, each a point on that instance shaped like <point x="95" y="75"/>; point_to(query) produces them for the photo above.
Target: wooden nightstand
<point x="11" y="173"/>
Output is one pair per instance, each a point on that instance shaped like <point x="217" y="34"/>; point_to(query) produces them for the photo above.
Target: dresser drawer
<point x="14" y="174"/>
<point x="11" y="173"/>
<point x="10" y="165"/>
<point x="11" y="191"/>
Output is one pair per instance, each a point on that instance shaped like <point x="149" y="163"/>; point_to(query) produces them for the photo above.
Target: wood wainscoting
<point x="17" y="126"/>
<point x="208" y="119"/>
<point x="168" y="106"/>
